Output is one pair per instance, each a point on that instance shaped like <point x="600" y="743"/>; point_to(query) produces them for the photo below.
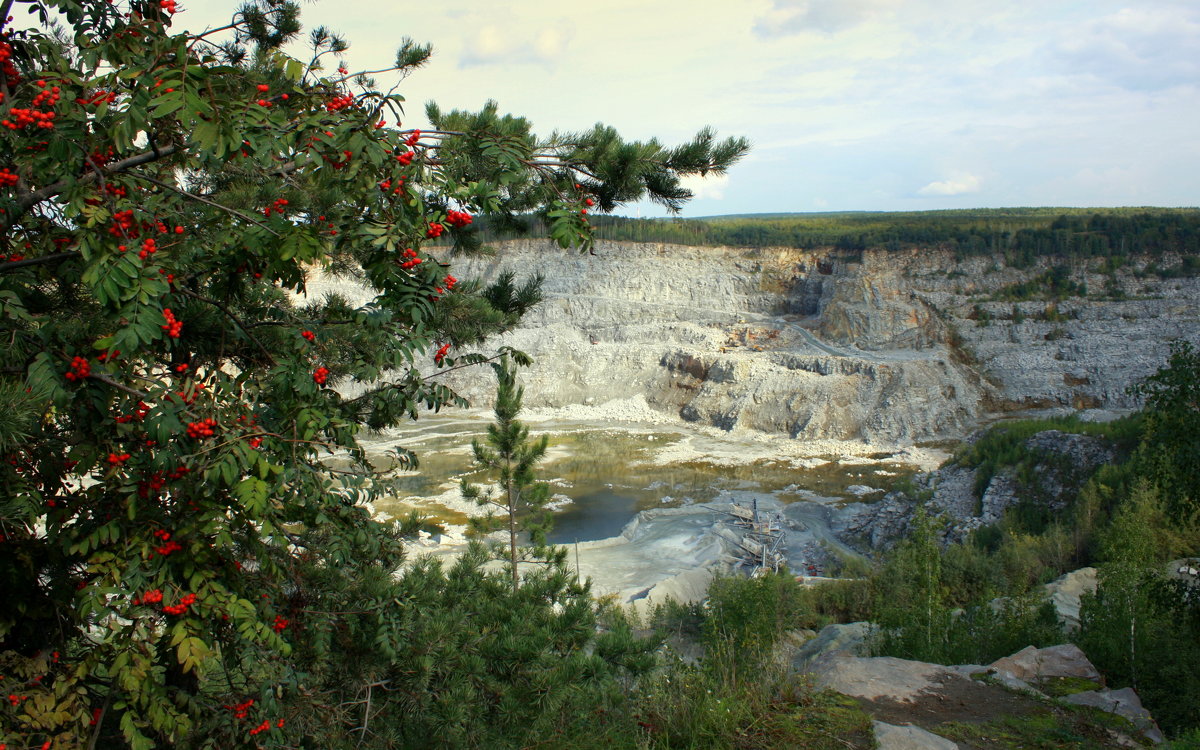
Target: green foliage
<point x="1140" y="628"/>
<point x="1054" y="284"/>
<point x="1003" y="446"/>
<point x="689" y="707"/>
<point x="1171" y="452"/>
<point x="512" y="456"/>
<point x="744" y="617"/>
<point x="742" y="694"/>
<point x="1019" y="235"/>
<point x="168" y="515"/>
<point x="454" y="657"/>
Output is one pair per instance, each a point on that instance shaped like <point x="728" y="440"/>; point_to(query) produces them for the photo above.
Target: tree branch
<point x="238" y="321"/>
<point x="207" y="202"/>
<point x="15" y="264"/>
<point x="25" y="202"/>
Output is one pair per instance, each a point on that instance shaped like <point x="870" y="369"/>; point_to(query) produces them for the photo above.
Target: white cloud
<point x="966" y="183"/>
<point x="823" y="16"/>
<point x="492" y="44"/>
<point x="550" y="44"/>
<point x="710" y="186"/>
<point x="1141" y="49"/>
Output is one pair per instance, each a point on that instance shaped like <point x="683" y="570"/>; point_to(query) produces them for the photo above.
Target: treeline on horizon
<point x="1020" y="235"/>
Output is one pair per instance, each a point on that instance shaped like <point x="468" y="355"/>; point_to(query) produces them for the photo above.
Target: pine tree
<point x="510" y="453"/>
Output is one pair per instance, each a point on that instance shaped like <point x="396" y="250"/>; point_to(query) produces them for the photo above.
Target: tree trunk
<point x="512" y="534"/>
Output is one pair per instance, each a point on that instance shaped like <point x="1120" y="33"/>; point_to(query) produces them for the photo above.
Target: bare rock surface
<point x="849" y="639"/>
<point x="878" y="677"/>
<point x="1124" y="703"/>
<point x="884" y="346"/>
<point x="1034" y="664"/>
<point x="911" y="701"/>
<point x="1065" y="591"/>
<point x="892" y="737"/>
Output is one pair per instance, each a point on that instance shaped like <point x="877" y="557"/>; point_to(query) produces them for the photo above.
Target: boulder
<point x="849" y="639"/>
<point x="892" y="737"/>
<point x="1124" y="703"/>
<point x="878" y="677"/>
<point x="1065" y="591"/>
<point x="1033" y="664"/>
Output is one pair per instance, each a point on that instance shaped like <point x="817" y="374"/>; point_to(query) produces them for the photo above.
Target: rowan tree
<point x="170" y="394"/>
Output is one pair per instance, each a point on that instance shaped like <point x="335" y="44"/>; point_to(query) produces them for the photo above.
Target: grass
<point x="1055" y="728"/>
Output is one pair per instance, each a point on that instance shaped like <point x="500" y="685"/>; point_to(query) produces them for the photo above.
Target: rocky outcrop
<point x="725" y="337"/>
<point x="1066" y="592"/>
<point x="887" y="346"/>
<point x="1061" y="463"/>
<point x="1039" y="664"/>
<point x="849" y="639"/>
<point x="912" y="701"/>
<point x="1124" y="703"/>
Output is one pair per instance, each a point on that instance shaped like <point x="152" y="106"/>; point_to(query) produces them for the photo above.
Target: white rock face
<point x="721" y="337"/>
<point x="814" y="346"/>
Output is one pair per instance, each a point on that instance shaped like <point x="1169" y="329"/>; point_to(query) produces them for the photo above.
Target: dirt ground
<point x="979" y="716"/>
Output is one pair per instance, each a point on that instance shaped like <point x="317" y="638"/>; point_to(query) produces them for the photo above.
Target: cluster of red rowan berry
<point x="80" y="369"/>
<point x="395" y="187"/>
<point x="308" y="335"/>
<point x="320" y="375"/>
<point x="101" y="95"/>
<point x="23" y="117"/>
<point x="149" y="247"/>
<point x="139" y="413"/>
<point x="240" y="710"/>
<point x="7" y="68"/>
<point x="280" y="624"/>
<point x="168" y="545"/>
<point x="173" y="325"/>
<point x="265" y="726"/>
<point x="276" y="207"/>
<point x="447" y="284"/>
<point x="150" y="597"/>
<point x="412" y="259"/>
<point x="170" y="6"/>
<point x="406" y="158"/>
<point x="441" y="353"/>
<point x="124" y="226"/>
<point x="116" y="459"/>
<point x="7" y="178"/>
<point x="155" y="483"/>
<point x="458" y="218"/>
<point x="205" y="428"/>
<point x="178" y="609"/>
<point x="339" y="103"/>
<point x="186" y="396"/>
<point x="435" y="230"/>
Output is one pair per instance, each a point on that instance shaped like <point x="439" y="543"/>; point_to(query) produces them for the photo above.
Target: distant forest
<point x="1020" y="235"/>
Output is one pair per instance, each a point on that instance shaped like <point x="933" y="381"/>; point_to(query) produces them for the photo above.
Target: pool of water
<point x="603" y="475"/>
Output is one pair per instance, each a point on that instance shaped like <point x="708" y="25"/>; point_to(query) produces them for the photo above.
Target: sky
<point x="849" y="104"/>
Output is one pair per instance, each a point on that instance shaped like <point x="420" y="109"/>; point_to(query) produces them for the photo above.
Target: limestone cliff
<point x="887" y="346"/>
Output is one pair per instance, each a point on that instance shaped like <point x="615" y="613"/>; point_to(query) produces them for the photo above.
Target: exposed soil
<point x="979" y="716"/>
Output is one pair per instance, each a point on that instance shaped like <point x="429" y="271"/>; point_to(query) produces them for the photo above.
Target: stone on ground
<point x="1124" y="703"/>
<point x="892" y="737"/>
<point x="878" y="677"/>
<point x="1033" y="664"/>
